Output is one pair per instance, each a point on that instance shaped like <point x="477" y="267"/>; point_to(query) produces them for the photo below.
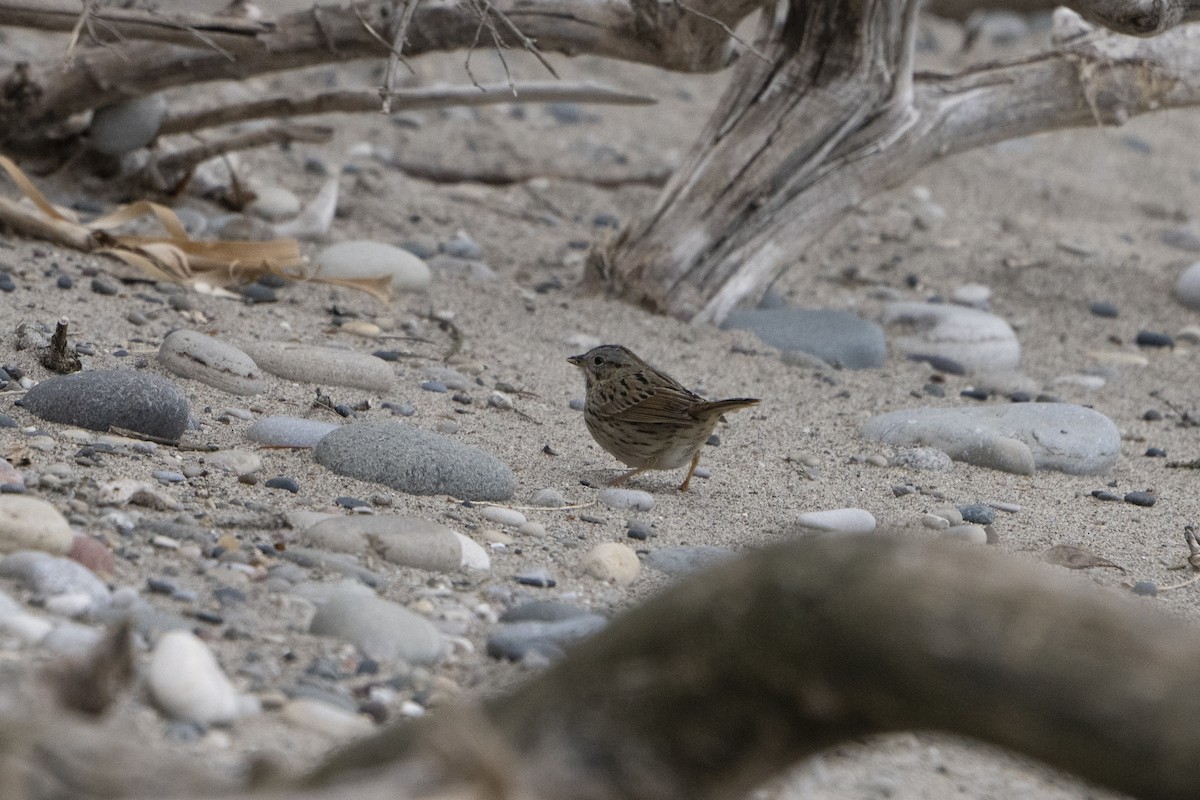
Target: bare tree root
<point x="729" y="678"/>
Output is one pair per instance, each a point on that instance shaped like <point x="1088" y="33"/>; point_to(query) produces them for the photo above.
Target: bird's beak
<point x="576" y="360"/>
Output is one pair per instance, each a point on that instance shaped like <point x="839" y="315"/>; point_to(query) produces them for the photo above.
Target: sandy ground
<point x="1010" y="209"/>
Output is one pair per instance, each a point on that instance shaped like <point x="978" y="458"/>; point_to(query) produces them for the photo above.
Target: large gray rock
<point x="972" y="338"/>
<point x="415" y="461"/>
<point x="1059" y="436"/>
<point x="103" y="399"/>
<point x="381" y="629"/>
<point x="200" y="357"/>
<point x="836" y="337"/>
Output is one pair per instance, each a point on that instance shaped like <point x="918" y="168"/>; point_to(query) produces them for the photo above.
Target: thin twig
<point x="396" y="56"/>
<point x="185" y="160"/>
<point x="526" y="42"/>
<point x="730" y="32"/>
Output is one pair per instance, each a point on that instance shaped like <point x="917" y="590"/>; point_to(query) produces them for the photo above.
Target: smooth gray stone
<point x="543" y="611"/>
<point x="46" y="576"/>
<point x="414" y="461"/>
<point x="307" y="363"/>
<point x="1059" y="436"/>
<point x="836" y="337"/>
<point x="200" y="357"/>
<point x="972" y="338"/>
<point x="549" y="639"/>
<point x="381" y="629"/>
<point x="338" y="562"/>
<point x="289" y="431"/>
<point x="103" y="399"/>
<point x="126" y="125"/>
<point x="684" y="559"/>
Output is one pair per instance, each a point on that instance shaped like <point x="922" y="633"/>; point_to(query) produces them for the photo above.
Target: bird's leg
<point x="683" y="487"/>
<point x="624" y="476"/>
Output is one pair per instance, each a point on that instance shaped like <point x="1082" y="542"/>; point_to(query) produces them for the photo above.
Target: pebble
<point x="533" y="528"/>
<point x="274" y="203"/>
<point x="316" y="715"/>
<point x="1187" y="287"/>
<point x="102" y="399"/>
<point x="289" y="431"/>
<point x="435" y="386"/>
<point x="935" y="522"/>
<point x="971" y="534"/>
<point x="515" y="640"/>
<point x="1102" y="308"/>
<point x="503" y="516"/>
<point x="365" y="259"/>
<point x="407" y="541"/>
<point x="1153" y="339"/>
<point x="975" y="339"/>
<point x="1107" y="497"/>
<point x="50" y="576"/>
<point x="627" y="499"/>
<point x="684" y="559"/>
<point x="187" y="683"/>
<point x="548" y="498"/>
<point x="1141" y="499"/>
<point x="1145" y="589"/>
<point x="382" y="630"/>
<point x="638" y="529"/>
<point x="101" y="285"/>
<point x="234" y="462"/>
<point x="283" y="482"/>
<point x="461" y="245"/>
<point x="500" y="400"/>
<point x="1016" y="438"/>
<point x="973" y="295"/>
<point x="414" y="461"/>
<point x="126" y="125"/>
<point x="978" y="514"/>
<point x="93" y="554"/>
<point x="837" y="520"/>
<point x="838" y="338"/>
<point x="168" y="476"/>
<point x="30" y="523"/>
<point x="324" y="365"/>
<point x="612" y="562"/>
<point x="1181" y="239"/>
<point x="6" y="283"/>
<point x="929" y="459"/>
<point x="541" y="578"/>
<point x="194" y="355"/>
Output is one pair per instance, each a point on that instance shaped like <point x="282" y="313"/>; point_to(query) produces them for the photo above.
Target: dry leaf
<point x="1072" y="557"/>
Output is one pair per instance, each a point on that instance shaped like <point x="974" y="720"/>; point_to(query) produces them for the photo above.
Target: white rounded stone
<point x="186" y="681"/>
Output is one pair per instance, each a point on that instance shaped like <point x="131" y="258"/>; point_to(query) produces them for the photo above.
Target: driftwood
<point x="729" y="678"/>
<point x="824" y="109"/>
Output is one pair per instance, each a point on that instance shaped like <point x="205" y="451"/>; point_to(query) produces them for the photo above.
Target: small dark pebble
<point x="1046" y="397"/>
<point x="1102" y="308"/>
<point x="638" y="529"/>
<point x="1020" y="397"/>
<point x="974" y="394"/>
<point x="551" y="285"/>
<point x="6" y="283"/>
<point x="1152" y="415"/>
<point x="462" y="397"/>
<point x="14" y="372"/>
<point x="940" y="363"/>
<point x="434" y="386"/>
<point x="259" y="293"/>
<point x="606" y="221"/>
<point x="1108" y="497"/>
<point x="388" y="355"/>
<point x="1156" y="452"/>
<point x="419" y="249"/>
<point x="272" y="281"/>
<point x="565" y="113"/>
<point x="539" y="578"/>
<point x="376" y="710"/>
<point x="120" y="352"/>
<point x="12" y="488"/>
<point x="901" y="489"/>
<point x="1145" y="589"/>
<point x="713" y="441"/>
<point x="576" y="404"/>
<point x="591" y="519"/>
<point x="978" y="514"/>
<point x="160" y="586"/>
<point x="368" y="666"/>
<point x="102" y="285"/>
<point x="351" y="502"/>
<point x="7" y="422"/>
<point x="578" y="244"/>
<point x="211" y="617"/>
<point x="283" y="482"/>
<point x="85" y="349"/>
<point x="1153" y="339"/>
<point x="1141" y="499"/>
<point x="182" y="302"/>
<point x="343" y="410"/>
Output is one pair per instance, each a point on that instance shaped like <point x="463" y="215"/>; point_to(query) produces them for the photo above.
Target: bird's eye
<point x="598" y="361"/>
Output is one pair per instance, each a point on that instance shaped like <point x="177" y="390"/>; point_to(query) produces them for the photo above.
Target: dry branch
<point x="400" y="100"/>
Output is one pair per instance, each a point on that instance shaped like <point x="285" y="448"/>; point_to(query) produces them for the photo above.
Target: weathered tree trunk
<point x="835" y="115"/>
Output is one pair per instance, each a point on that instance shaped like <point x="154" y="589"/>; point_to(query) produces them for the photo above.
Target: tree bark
<point x="837" y="116"/>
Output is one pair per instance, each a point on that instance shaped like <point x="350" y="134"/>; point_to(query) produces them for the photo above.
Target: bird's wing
<point x="645" y="401"/>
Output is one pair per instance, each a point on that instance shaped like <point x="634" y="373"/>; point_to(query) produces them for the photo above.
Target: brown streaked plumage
<point x="644" y="417"/>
